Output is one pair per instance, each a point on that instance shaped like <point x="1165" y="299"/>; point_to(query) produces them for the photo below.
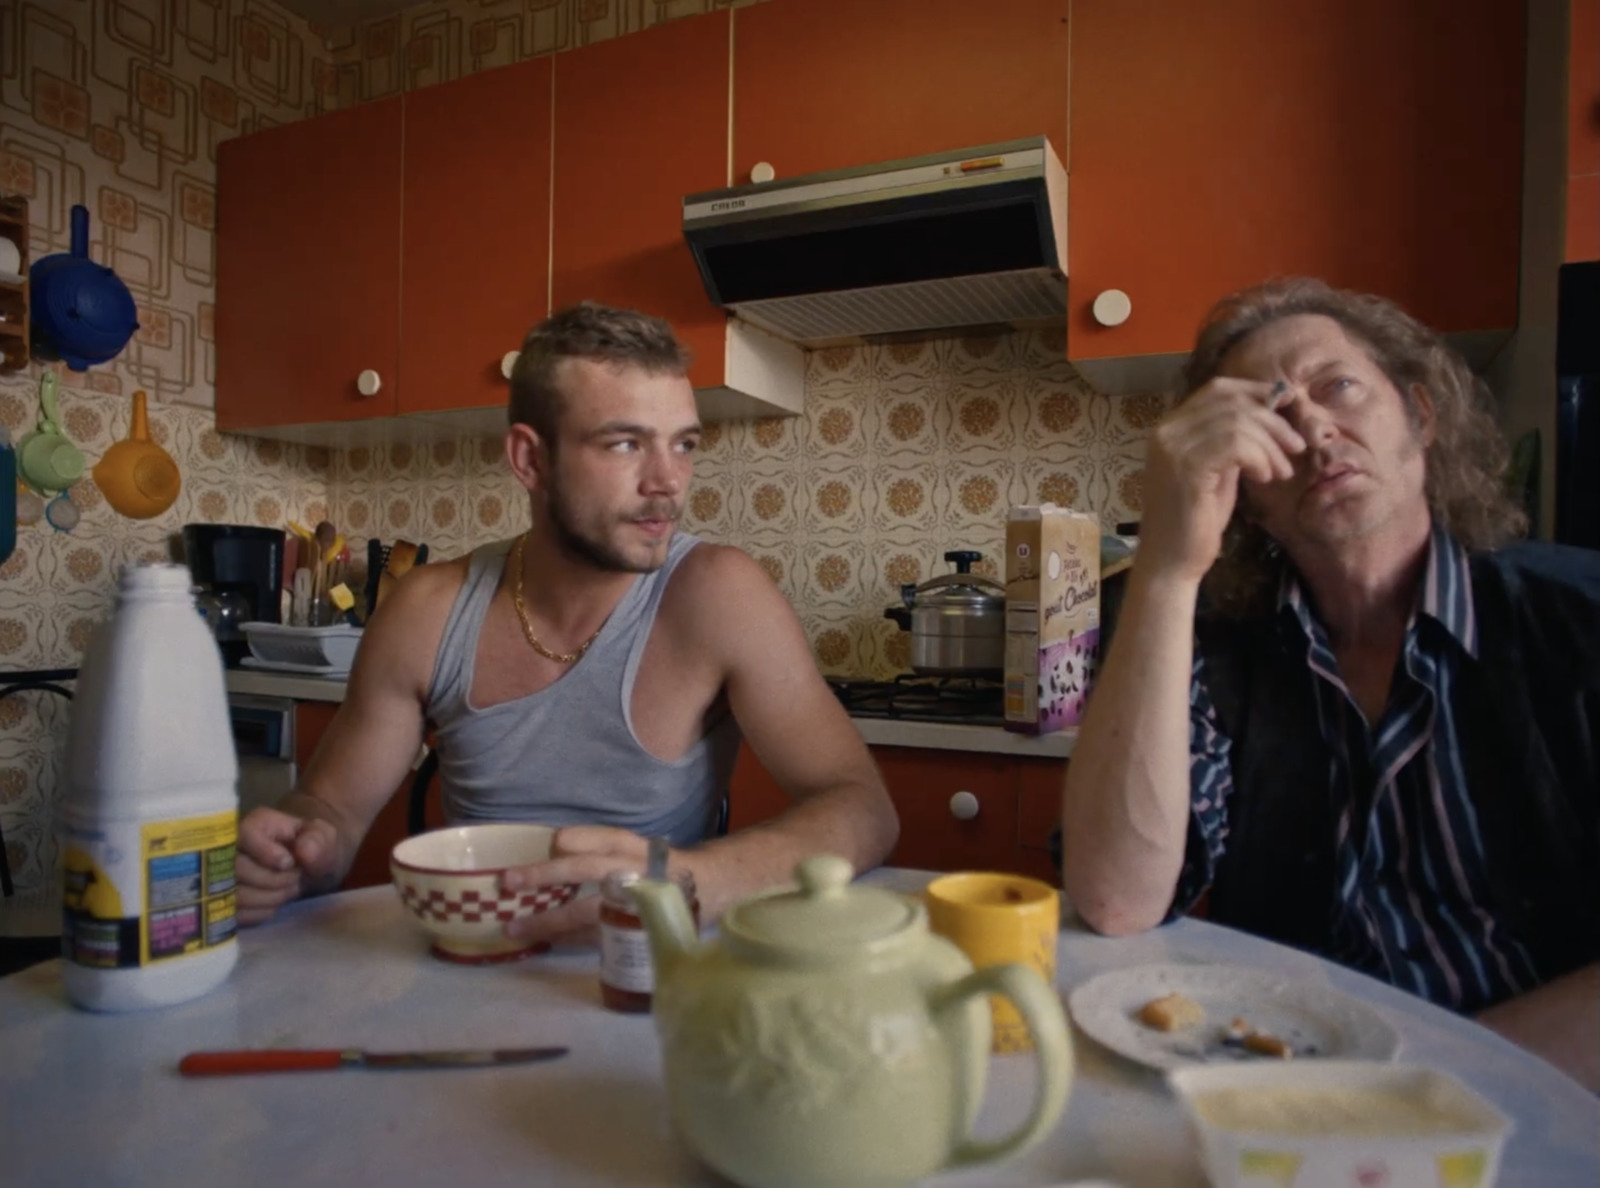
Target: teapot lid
<point x="825" y="916"/>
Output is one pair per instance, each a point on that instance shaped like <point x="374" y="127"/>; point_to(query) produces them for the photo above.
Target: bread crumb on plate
<point x="1171" y="1012"/>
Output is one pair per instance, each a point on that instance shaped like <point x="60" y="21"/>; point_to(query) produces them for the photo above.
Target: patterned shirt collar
<point x="1445" y="595"/>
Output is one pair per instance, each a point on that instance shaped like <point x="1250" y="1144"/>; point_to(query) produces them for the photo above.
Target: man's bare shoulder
<point x="718" y="576"/>
<point x="717" y="591"/>
<point x="402" y="637"/>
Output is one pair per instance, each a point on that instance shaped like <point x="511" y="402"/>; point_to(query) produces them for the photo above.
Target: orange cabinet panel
<point x="640" y="121"/>
<point x="828" y="84"/>
<point x="932" y="837"/>
<point x="371" y="865"/>
<point x="476" y="246"/>
<point x="308" y="269"/>
<point x="753" y="795"/>
<point x="1583" y="131"/>
<point x="1373" y="144"/>
<point x="1039" y="813"/>
<point x="921" y="783"/>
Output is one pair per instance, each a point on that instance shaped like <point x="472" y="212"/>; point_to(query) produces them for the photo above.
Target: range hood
<point x="975" y="237"/>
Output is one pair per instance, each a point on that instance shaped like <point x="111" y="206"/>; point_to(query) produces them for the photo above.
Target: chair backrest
<point x="45" y="679"/>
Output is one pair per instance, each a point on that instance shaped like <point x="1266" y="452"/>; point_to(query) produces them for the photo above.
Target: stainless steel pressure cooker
<point x="957" y="621"/>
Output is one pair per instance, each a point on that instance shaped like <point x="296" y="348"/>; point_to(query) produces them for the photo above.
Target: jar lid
<point x="825" y="916"/>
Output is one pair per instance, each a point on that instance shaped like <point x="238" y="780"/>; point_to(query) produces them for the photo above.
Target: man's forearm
<point x="1559" y="1021"/>
<point x="1125" y="810"/>
<point x="855" y="820"/>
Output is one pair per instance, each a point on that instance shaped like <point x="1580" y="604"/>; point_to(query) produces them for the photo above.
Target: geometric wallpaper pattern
<point x="904" y="450"/>
<point x="119" y="105"/>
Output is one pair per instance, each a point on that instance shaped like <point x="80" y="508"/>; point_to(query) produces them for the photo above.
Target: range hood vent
<point x="950" y="241"/>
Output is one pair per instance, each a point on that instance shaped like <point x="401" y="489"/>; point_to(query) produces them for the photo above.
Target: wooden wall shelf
<point x="14" y="309"/>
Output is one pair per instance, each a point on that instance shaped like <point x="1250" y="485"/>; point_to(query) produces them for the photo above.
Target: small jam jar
<point x="627" y="976"/>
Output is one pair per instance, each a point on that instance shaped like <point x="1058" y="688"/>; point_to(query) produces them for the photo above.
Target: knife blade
<point x="264" y="1060"/>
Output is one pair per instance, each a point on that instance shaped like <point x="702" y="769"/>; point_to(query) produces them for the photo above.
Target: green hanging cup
<point x="46" y="459"/>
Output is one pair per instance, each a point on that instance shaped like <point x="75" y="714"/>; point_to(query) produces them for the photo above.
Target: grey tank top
<point x="567" y="754"/>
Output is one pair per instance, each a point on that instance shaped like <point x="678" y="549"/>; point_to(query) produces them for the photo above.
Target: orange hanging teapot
<point x="138" y="478"/>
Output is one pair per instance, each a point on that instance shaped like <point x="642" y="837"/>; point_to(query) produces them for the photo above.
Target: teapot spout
<point x="668" y="924"/>
<point x="139" y="423"/>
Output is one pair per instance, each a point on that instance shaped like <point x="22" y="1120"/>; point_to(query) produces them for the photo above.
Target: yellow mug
<point x="998" y="919"/>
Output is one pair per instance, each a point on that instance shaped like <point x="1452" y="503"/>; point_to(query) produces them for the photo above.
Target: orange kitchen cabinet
<point x="1373" y="144"/>
<point x="641" y="121"/>
<point x="1583" y="131"/>
<point x="1039" y="814"/>
<point x="308" y="269"/>
<point x="371" y="865"/>
<point x="828" y="84"/>
<point x="753" y="795"/>
<point x="475" y="256"/>
<point x="922" y="784"/>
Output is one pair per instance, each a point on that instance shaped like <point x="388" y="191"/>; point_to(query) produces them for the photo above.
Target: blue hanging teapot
<point x="82" y="312"/>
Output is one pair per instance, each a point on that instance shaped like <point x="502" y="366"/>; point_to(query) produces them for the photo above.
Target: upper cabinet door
<point x="641" y="121"/>
<point x="1372" y="144"/>
<point x="308" y="269"/>
<point x="476" y="257"/>
<point x="828" y="84"/>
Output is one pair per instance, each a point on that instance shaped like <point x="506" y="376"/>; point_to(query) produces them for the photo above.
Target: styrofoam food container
<point x="310" y="647"/>
<point x="1384" y="1154"/>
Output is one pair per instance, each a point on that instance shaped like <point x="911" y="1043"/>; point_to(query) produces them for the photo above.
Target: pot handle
<point x="900" y="615"/>
<point x="1041" y="1010"/>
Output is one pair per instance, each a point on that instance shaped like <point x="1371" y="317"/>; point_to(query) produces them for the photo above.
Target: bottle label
<point x="625" y="959"/>
<point x="138" y="894"/>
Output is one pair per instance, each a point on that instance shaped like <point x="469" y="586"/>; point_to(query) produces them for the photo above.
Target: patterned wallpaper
<point x="119" y="105"/>
<point x="904" y="450"/>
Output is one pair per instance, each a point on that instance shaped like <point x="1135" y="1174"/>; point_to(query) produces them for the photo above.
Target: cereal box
<point x="1052" y="615"/>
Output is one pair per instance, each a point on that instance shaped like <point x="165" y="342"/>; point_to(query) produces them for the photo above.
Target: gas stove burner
<point x="975" y="701"/>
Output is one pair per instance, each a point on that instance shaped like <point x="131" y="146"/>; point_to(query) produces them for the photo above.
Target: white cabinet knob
<point x="1112" y="307"/>
<point x="508" y="362"/>
<point x="368" y="382"/>
<point x="762" y="172"/>
<point x="963" y="806"/>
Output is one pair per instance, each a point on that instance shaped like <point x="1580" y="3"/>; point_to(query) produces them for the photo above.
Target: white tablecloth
<point x="94" y="1099"/>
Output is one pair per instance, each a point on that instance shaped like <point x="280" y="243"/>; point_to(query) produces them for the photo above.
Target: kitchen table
<point x="96" y="1099"/>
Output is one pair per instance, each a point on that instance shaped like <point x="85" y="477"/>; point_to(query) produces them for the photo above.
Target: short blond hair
<point x="587" y="330"/>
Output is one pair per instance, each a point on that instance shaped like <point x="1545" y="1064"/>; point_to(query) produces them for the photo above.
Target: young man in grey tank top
<point x="603" y="427"/>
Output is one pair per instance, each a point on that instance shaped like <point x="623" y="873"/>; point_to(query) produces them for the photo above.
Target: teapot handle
<point x="1041" y="1011"/>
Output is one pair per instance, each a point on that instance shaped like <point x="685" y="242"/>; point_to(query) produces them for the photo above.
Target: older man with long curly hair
<point x="1345" y="703"/>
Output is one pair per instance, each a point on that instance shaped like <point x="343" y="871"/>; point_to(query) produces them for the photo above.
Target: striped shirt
<point x="1413" y="904"/>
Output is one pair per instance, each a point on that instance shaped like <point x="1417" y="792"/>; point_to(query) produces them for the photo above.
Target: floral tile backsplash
<point x="904" y="452"/>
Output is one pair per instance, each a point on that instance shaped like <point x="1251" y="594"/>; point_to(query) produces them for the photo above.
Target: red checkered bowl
<point x="449" y="880"/>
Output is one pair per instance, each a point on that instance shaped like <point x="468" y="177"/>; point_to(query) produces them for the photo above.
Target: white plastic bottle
<point x="150" y="805"/>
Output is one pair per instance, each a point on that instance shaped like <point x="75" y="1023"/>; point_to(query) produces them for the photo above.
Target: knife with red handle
<point x="266" y="1060"/>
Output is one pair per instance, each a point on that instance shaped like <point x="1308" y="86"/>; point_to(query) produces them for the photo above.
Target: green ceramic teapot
<point x="828" y="1037"/>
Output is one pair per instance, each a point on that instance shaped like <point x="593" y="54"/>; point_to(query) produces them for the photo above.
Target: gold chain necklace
<point x="522" y="614"/>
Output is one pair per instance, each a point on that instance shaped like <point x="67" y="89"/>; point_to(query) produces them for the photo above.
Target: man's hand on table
<point x="281" y="856"/>
<point x="578" y="854"/>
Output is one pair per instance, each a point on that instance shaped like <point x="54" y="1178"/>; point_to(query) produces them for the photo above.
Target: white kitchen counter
<point x="878" y="732"/>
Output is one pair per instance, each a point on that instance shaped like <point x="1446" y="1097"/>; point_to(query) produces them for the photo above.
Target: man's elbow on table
<point x="880" y="827"/>
<point x="1110" y="913"/>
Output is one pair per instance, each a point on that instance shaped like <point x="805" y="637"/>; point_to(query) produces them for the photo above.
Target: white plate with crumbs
<point x="1313" y="1021"/>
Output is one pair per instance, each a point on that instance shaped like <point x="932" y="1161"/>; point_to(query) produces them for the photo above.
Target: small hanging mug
<point x="47" y="460"/>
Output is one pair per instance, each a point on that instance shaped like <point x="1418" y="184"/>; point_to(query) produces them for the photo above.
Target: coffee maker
<point x="241" y="566"/>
